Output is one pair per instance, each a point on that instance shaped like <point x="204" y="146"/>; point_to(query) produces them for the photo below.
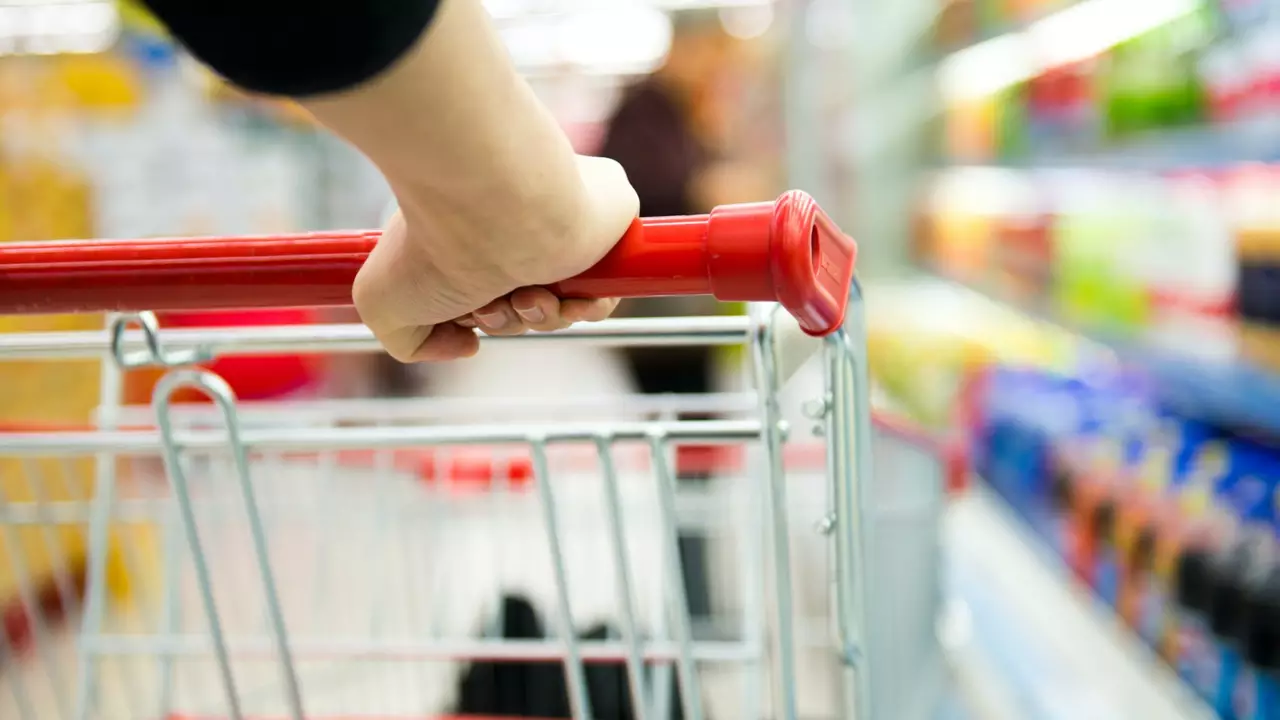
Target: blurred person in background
<point x="670" y="132"/>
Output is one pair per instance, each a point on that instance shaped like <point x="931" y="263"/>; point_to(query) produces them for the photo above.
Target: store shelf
<point x="1073" y="33"/>
<point x="1197" y="369"/>
<point x="1050" y="649"/>
<point x="1204" y="147"/>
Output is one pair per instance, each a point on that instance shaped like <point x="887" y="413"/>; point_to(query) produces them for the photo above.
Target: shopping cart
<point x="342" y="559"/>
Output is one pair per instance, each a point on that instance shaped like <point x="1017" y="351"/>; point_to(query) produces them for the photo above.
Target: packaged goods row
<point x="1119" y="250"/>
<point x="1084" y="88"/>
<point x="1171" y="522"/>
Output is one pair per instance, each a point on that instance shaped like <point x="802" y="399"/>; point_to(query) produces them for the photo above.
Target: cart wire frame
<point x="778" y="350"/>
<point x="880" y="634"/>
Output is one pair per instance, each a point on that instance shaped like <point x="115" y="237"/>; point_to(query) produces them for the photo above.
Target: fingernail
<point x="494" y="320"/>
<point x="466" y="322"/>
<point x="533" y="314"/>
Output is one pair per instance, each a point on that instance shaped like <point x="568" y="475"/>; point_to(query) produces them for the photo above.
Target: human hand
<point x="444" y="268"/>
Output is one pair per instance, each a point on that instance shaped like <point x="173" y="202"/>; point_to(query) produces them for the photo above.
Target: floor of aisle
<point x="1042" y="647"/>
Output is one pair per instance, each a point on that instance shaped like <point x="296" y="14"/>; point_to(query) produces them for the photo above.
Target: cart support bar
<point x="787" y="251"/>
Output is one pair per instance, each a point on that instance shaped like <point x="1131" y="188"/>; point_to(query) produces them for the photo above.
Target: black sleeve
<point x="296" y="47"/>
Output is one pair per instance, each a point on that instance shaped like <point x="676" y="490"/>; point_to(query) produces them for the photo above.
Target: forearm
<point x="424" y="88"/>
<point x="455" y="120"/>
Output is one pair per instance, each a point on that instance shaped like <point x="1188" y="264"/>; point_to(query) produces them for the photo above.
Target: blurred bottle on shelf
<point x="1259" y="693"/>
<point x="1112" y="252"/>
<point x="1257" y="219"/>
<point x="1063" y="109"/>
<point x="1172" y="522"/>
<point x="1099" y="268"/>
<point x="1151" y="81"/>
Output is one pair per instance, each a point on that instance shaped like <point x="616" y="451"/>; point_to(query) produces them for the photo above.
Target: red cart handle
<point x="787" y="251"/>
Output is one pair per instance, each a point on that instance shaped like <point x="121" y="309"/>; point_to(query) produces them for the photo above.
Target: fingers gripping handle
<point x="787" y="251"/>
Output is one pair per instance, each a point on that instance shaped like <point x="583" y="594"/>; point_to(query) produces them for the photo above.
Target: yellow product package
<point x="36" y="395"/>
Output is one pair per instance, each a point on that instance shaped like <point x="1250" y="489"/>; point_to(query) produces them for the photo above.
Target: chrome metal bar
<point x="622" y="576"/>
<point x="136" y="442"/>
<point x="678" y="601"/>
<point x="754" y="618"/>
<point x="575" y="673"/>
<point x="110" y="392"/>
<point x="327" y="411"/>
<point x="204" y="577"/>
<point x="221" y="393"/>
<point x="848" y="426"/>
<point x="791" y="348"/>
<point x="362" y="648"/>
<point x="171" y="599"/>
<point x="698" y="508"/>
<point x="353" y="338"/>
<point x="773" y="430"/>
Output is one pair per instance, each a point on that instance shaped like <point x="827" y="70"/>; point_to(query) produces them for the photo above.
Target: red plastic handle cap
<point x="788" y="250"/>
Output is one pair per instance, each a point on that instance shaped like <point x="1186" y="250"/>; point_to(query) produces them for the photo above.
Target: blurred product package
<point x="1174" y="524"/>
<point x="1109" y="251"/>
<point x="1162" y="71"/>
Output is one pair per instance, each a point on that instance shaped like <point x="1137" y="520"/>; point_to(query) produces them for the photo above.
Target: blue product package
<point x="1069" y="457"/>
<point x="1161" y="475"/>
<point x="1257" y="693"/>
<point x="1002" y="450"/>
<point x="1132" y="431"/>
<point x="1231" y="675"/>
<point x="1233" y="618"/>
<point x="1118" y="542"/>
<point x="1268" y="697"/>
<point x="1076" y="443"/>
<point x="1195" y="660"/>
<point x="1255" y="696"/>
<point x="1248" y="493"/>
<point x="1106" y="579"/>
<point x="1227" y="595"/>
<point x="1107" y="444"/>
<point x="1024" y="410"/>
<point x="1206" y="578"/>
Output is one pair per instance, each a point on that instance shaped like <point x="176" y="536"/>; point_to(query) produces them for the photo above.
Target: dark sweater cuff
<point x="297" y="48"/>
